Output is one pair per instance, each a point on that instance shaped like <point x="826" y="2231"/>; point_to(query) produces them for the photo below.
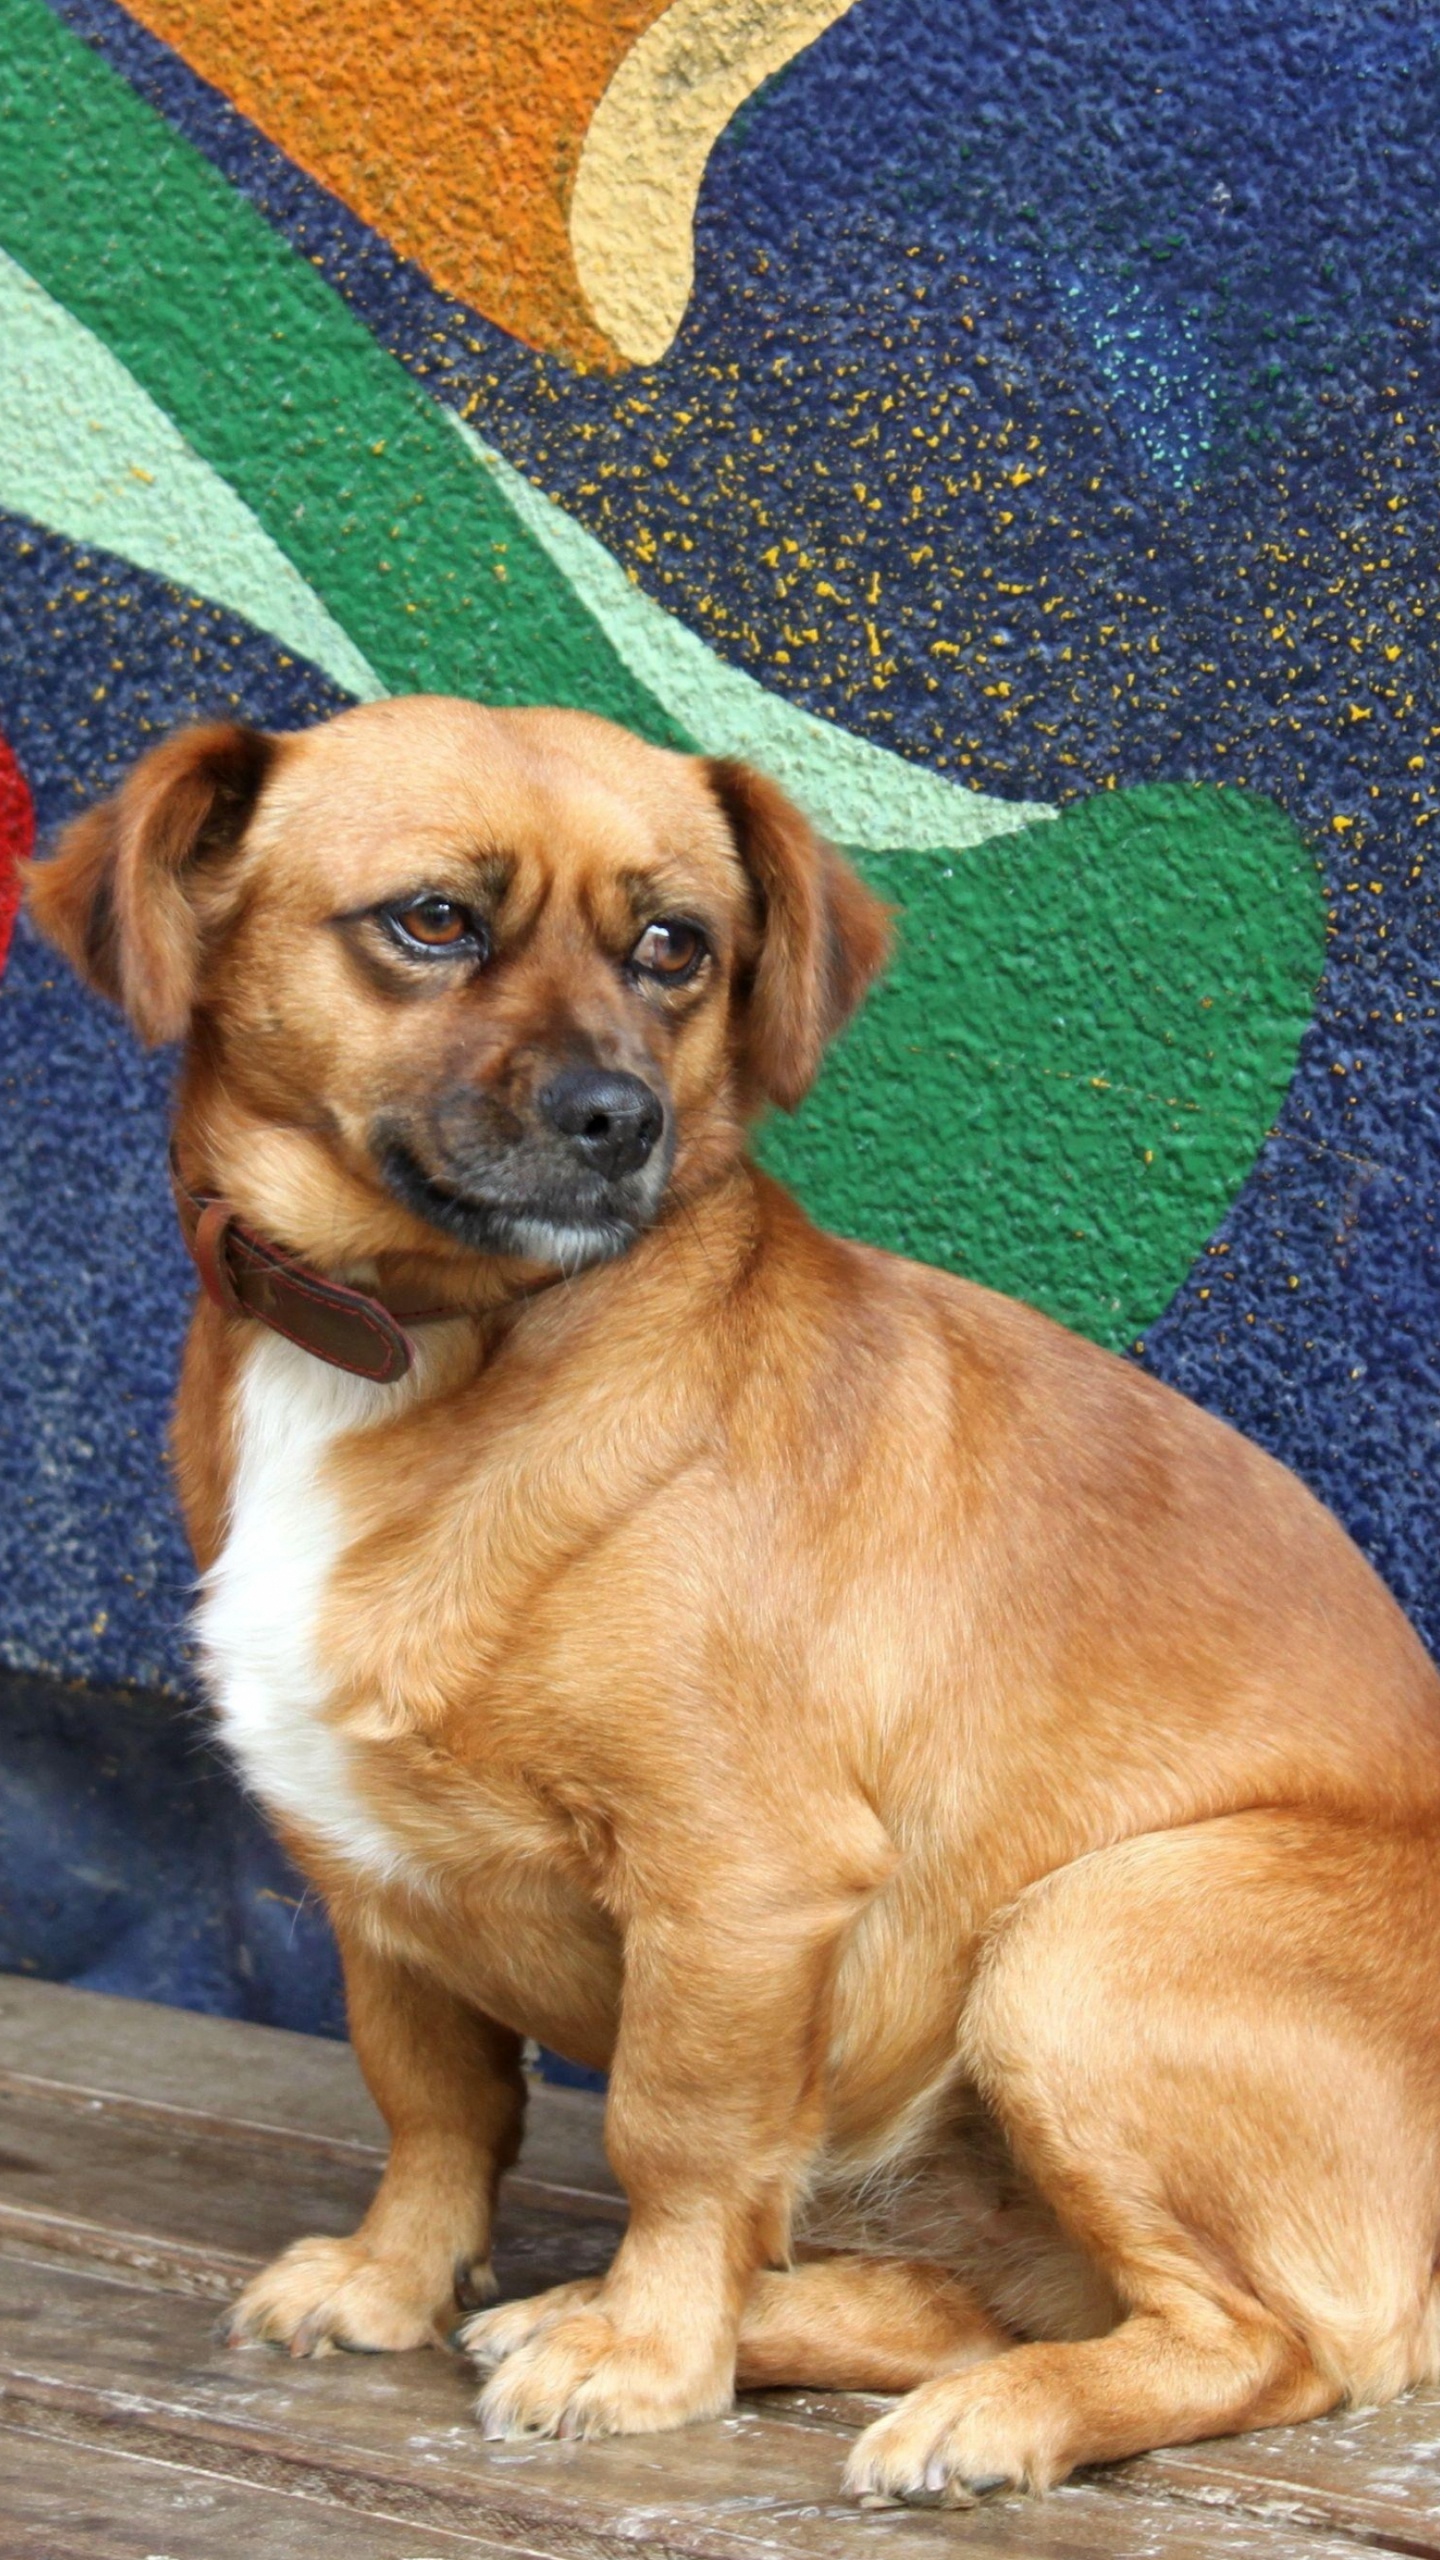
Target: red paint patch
<point x="17" y="836"/>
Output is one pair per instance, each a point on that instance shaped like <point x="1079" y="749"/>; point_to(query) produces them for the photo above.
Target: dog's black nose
<point x="611" y="1121"/>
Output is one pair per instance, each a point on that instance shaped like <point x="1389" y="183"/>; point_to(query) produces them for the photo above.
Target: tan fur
<point x="966" y="1796"/>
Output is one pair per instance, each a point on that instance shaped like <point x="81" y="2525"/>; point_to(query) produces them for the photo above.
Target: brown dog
<point x="926" y="1761"/>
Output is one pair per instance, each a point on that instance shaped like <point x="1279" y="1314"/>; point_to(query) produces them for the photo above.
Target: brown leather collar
<point x="248" y="1276"/>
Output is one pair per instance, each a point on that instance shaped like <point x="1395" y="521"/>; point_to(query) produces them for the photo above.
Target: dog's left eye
<point x="435" y="924"/>
<point x="670" y="950"/>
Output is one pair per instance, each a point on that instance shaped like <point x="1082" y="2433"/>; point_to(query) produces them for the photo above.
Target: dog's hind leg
<point x="832" y="2324"/>
<point x="861" y="2324"/>
<point x="1217" y="2054"/>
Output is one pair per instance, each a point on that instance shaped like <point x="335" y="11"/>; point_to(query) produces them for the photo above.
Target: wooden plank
<point x="171" y="2200"/>
<point x="175" y="2057"/>
<point x="130" y="2171"/>
<point x="66" y="2502"/>
<point x="1374" y="2473"/>
<point x="216" y="2275"/>
<point x="252" y="2081"/>
<point x="148" y="2174"/>
<point x="89" y="2363"/>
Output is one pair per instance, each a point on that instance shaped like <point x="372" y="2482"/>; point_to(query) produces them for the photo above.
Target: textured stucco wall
<point x="1016" y="425"/>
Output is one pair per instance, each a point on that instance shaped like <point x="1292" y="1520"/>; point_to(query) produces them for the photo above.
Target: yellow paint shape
<point x="452" y="127"/>
<point x="632" y="208"/>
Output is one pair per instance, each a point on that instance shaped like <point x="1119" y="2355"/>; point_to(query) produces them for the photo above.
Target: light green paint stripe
<point x="86" y="453"/>
<point x="860" y="794"/>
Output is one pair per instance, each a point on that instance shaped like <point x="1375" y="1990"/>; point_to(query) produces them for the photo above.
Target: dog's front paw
<point x="323" y="2294"/>
<point x="488" y="2337"/>
<point x="957" y="2440"/>
<point x="577" y="2374"/>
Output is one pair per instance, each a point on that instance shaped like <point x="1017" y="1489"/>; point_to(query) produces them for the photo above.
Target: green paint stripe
<point x="350" y="468"/>
<point x="85" y="452"/>
<point x="861" y="794"/>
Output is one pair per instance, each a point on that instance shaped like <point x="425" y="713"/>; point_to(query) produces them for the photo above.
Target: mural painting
<point x="1013" y="426"/>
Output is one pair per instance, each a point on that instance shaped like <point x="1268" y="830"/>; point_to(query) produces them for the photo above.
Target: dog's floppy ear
<point x="121" y="895"/>
<point x="823" y="936"/>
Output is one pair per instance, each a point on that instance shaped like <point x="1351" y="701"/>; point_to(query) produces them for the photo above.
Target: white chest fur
<point x="261" y="1604"/>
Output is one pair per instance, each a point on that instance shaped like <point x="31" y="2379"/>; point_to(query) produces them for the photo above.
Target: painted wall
<point x="1014" y="424"/>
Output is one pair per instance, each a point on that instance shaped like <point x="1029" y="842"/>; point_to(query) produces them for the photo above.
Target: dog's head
<point x="461" y="980"/>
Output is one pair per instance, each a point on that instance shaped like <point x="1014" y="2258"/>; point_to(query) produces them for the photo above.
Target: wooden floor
<point x="149" y="2160"/>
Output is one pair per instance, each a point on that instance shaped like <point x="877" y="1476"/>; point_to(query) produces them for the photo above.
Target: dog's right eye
<point x="436" y="924"/>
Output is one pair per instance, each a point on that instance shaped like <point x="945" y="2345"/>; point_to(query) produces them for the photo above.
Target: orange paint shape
<point x="453" y="127"/>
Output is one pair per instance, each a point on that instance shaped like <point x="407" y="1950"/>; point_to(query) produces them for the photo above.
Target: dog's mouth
<point x="571" y="1234"/>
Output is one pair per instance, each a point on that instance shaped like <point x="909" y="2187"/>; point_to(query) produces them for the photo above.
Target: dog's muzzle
<point x="574" y="1181"/>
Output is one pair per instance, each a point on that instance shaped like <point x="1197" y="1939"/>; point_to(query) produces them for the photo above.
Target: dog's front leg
<point x="716" y="2104"/>
<point x="449" y="2085"/>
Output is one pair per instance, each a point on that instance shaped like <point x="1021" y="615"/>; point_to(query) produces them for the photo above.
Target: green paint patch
<point x="1087" y="1034"/>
